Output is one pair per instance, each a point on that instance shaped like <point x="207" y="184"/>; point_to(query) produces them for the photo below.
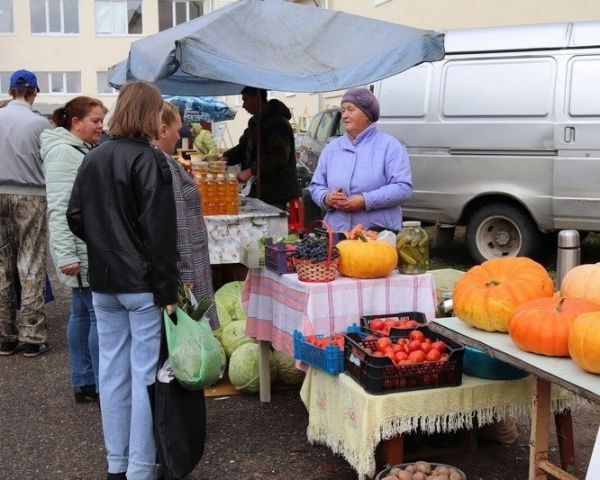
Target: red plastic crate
<point x="380" y="375"/>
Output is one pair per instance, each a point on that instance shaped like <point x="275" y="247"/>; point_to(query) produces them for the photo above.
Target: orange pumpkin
<point x="582" y="281"/>
<point x="542" y="325"/>
<point x="487" y="294"/>
<point x="584" y="342"/>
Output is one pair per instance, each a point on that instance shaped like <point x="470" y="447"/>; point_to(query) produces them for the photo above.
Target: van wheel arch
<point x="502" y="229"/>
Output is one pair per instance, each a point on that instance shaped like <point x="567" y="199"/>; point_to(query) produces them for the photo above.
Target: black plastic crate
<point x="419" y="317"/>
<point x="380" y="375"/>
<point x="278" y="256"/>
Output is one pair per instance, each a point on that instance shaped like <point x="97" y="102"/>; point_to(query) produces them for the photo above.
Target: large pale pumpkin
<point x="542" y="325"/>
<point x="582" y="281"/>
<point x="487" y="294"/>
<point x="366" y="259"/>
<point x="584" y="342"/>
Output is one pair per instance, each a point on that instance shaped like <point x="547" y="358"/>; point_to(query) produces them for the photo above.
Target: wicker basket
<point x="309" y="271"/>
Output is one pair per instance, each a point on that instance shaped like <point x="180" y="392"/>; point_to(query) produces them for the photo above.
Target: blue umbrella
<point x="202" y="109"/>
<point x="277" y="46"/>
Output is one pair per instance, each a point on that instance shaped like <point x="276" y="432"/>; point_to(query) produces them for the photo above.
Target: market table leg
<point x="566" y="446"/>
<point x="264" y="353"/>
<point x="540" y="423"/>
<point x="390" y="451"/>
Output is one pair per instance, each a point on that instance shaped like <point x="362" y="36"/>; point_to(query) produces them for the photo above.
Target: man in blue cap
<point x="23" y="231"/>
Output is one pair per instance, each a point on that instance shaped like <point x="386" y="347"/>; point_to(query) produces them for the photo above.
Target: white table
<point x="227" y="232"/>
<point x="548" y="370"/>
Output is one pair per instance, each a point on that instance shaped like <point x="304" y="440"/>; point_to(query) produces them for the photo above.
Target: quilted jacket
<point x="62" y="153"/>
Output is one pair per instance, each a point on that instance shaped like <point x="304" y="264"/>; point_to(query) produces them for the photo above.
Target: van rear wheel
<point x="501" y="230"/>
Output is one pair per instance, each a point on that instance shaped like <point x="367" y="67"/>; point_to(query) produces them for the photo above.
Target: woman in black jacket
<point x="122" y="206"/>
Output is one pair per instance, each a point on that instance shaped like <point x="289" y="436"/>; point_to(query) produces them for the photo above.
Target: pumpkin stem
<point x="559" y="306"/>
<point x="362" y="236"/>
<point x="492" y="283"/>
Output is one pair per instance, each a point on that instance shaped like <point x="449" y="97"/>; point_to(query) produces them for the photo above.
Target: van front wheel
<point x="499" y="230"/>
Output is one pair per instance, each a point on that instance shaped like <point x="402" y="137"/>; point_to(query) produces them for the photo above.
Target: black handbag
<point x="179" y="423"/>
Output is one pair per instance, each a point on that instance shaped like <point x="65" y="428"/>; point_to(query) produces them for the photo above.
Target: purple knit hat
<point x="364" y="99"/>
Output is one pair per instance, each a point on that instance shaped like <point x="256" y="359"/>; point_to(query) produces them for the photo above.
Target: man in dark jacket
<point x="270" y="135"/>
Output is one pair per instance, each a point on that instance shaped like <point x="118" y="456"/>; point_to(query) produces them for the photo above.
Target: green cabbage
<point x="234" y="335"/>
<point x="224" y="320"/>
<point x="286" y="368"/>
<point x="244" y="368"/>
<point x="229" y="297"/>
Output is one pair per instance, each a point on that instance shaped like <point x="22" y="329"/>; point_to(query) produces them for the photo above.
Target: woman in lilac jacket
<point x="364" y="176"/>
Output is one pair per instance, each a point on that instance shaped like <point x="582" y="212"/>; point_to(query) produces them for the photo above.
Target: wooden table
<point x="353" y="422"/>
<point x="548" y="370"/>
<point x="277" y="305"/>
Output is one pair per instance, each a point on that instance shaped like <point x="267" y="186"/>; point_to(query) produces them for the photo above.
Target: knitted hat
<point x="364" y="99"/>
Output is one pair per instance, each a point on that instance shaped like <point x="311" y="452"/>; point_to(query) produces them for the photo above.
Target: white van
<point x="503" y="134"/>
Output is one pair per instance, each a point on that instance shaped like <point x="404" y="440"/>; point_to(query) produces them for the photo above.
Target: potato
<point x="390" y="477"/>
<point x="439" y="476"/>
<point x="404" y="475"/>
<point x="395" y="471"/>
<point x="424" y="467"/>
<point x="454" y="475"/>
<point x="441" y="469"/>
<point x="411" y="468"/>
<point x="419" y="476"/>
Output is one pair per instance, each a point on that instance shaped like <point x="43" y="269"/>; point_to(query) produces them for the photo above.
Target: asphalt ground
<point x="46" y="435"/>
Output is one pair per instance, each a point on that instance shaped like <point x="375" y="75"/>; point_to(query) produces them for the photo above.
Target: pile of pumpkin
<point x="516" y="295"/>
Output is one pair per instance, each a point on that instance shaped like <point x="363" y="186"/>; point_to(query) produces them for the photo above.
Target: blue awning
<point x="275" y="45"/>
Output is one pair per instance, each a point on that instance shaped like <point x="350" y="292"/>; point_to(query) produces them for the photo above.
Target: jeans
<point x="129" y="326"/>
<point x="82" y="339"/>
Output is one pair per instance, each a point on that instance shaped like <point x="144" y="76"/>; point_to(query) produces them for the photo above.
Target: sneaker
<point x="35" y="349"/>
<point x="8" y="348"/>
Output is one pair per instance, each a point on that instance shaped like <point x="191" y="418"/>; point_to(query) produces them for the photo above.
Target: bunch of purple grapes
<point x="314" y="248"/>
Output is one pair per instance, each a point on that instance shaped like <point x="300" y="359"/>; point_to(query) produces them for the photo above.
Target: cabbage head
<point x="286" y="368"/>
<point x="224" y="320"/>
<point x="229" y="297"/>
<point x="244" y="368"/>
<point x="234" y="335"/>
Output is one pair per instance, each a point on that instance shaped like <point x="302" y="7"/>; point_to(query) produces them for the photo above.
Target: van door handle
<point x="569" y="134"/>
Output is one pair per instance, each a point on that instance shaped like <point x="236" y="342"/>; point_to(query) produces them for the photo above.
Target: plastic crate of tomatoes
<point x="322" y="351"/>
<point x="401" y="361"/>
<point x="386" y="324"/>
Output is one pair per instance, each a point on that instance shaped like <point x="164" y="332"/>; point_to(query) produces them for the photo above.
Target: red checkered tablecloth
<point x="277" y="305"/>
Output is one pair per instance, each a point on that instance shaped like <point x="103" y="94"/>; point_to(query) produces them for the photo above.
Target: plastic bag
<point x="194" y="353"/>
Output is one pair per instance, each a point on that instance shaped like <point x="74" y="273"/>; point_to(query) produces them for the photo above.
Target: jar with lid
<point x="412" y="244"/>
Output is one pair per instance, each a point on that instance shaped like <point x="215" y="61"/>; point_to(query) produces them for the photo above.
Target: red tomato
<point x="402" y="341"/>
<point x="414" y="345"/>
<point x="408" y="361"/>
<point x="383" y="343"/>
<point x="376" y="324"/>
<point x="389" y="322"/>
<point x="396" y="348"/>
<point x="417" y="356"/>
<point x="426" y="346"/>
<point x="439" y="345"/>
<point x="412" y="323"/>
<point x="401" y="356"/>
<point x="417" y="335"/>
<point x="444" y="357"/>
<point x="433" y="355"/>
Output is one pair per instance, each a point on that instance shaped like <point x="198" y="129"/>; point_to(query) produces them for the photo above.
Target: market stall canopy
<point x="275" y="45"/>
<point x="202" y="109"/>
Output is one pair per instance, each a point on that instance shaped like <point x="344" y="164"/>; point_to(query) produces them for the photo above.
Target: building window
<point x="174" y="12"/>
<point x="6" y="16"/>
<point x="59" y="82"/>
<point x="102" y="82"/>
<point x="119" y="17"/>
<point x="4" y="82"/>
<point x="54" y="16"/>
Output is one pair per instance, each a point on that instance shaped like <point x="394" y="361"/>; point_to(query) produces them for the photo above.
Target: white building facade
<point x="70" y="44"/>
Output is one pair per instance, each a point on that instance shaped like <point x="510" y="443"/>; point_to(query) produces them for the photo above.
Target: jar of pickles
<point x="413" y="249"/>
